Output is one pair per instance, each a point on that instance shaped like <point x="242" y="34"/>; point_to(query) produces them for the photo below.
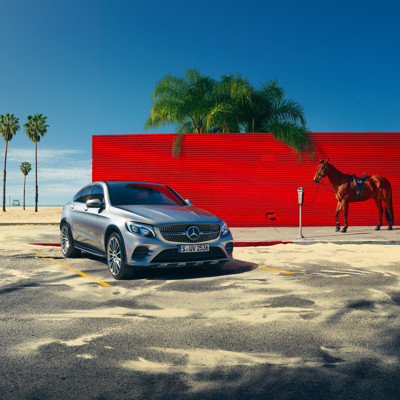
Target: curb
<point x="379" y="242"/>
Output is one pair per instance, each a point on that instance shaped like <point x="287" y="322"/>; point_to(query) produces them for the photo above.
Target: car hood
<point x="156" y="215"/>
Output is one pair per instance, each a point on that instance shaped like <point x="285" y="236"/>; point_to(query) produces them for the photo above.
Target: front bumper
<point x="156" y="252"/>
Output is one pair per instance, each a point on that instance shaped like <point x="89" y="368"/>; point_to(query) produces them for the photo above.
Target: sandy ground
<point x="17" y="215"/>
<point x="329" y="331"/>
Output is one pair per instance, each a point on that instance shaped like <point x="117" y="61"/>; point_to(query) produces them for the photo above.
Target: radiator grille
<point x="176" y="232"/>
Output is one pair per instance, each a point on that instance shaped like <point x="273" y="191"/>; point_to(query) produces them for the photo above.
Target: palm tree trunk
<point x="4" y="177"/>
<point x="24" y="189"/>
<point x="36" y="183"/>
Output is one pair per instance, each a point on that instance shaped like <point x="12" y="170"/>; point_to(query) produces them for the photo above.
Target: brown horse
<point x="347" y="190"/>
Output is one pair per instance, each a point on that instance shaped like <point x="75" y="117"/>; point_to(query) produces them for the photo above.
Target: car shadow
<point x="180" y="273"/>
<point x="230" y="268"/>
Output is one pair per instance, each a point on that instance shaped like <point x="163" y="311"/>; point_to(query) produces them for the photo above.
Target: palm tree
<point x="200" y="104"/>
<point x="269" y="111"/>
<point x="8" y="128"/>
<point x="36" y="128"/>
<point x="184" y="102"/>
<point x="25" y="169"/>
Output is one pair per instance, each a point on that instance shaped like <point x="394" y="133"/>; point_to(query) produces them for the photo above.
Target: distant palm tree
<point x="25" y="169"/>
<point x="9" y="125"/>
<point x="198" y="104"/>
<point x="36" y="128"/>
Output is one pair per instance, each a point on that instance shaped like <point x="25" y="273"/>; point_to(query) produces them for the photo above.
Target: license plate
<point x="193" y="248"/>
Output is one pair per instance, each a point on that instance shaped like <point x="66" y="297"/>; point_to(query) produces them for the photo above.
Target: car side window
<point x="76" y="197"/>
<point x="84" y="194"/>
<point x="97" y="193"/>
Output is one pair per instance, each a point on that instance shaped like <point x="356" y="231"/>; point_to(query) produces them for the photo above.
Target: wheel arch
<point x="64" y="220"/>
<point x="109" y="231"/>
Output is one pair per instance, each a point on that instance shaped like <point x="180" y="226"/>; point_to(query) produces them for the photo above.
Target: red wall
<point x="241" y="177"/>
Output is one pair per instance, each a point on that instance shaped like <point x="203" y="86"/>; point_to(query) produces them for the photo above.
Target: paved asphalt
<point x="318" y="234"/>
<point x="291" y="321"/>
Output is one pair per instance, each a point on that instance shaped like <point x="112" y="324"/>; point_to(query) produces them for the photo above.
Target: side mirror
<point x="94" y="203"/>
<point x="188" y="202"/>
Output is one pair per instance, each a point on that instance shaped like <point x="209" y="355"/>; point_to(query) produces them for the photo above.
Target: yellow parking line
<point x="277" y="270"/>
<point x="73" y="269"/>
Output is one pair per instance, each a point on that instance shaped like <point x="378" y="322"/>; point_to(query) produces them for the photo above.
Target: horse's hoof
<point x="344" y="230"/>
<point x="337" y="229"/>
<point x="378" y="228"/>
<point x="390" y="228"/>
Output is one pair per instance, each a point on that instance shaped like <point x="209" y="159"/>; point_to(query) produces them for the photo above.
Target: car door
<point x="95" y="221"/>
<point x="78" y="220"/>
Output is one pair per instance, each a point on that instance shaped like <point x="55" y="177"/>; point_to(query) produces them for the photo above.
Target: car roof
<point x="130" y="182"/>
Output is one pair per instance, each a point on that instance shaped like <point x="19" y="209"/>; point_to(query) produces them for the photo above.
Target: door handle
<point x="72" y="207"/>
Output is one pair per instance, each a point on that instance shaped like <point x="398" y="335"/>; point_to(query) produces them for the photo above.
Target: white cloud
<point x="61" y="173"/>
<point x="44" y="155"/>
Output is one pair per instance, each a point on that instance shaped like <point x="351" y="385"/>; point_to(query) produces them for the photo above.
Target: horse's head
<point x="322" y="170"/>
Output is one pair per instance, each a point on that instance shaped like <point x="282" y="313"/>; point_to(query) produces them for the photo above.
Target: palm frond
<point x="9" y="126"/>
<point x="292" y="135"/>
<point x="176" y="148"/>
<point x="290" y="110"/>
<point x="36" y="127"/>
<point x="25" y="167"/>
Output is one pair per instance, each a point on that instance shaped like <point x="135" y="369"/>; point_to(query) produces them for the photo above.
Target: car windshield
<point x="125" y="193"/>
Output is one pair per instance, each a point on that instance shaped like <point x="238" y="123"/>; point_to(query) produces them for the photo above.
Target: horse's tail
<point x="387" y="215"/>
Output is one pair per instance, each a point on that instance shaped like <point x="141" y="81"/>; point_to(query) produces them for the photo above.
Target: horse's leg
<point x="380" y="209"/>
<point x="338" y="209"/>
<point x="345" y="206"/>
<point x="387" y="201"/>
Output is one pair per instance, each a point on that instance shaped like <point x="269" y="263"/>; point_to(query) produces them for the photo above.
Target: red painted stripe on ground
<point x="237" y="244"/>
<point x="46" y="244"/>
<point x="257" y="244"/>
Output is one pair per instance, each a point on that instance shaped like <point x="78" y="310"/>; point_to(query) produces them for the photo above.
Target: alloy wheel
<point x="114" y="256"/>
<point x="65" y="239"/>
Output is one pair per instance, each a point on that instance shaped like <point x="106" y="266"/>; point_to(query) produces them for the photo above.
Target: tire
<point x="116" y="258"/>
<point x="67" y="242"/>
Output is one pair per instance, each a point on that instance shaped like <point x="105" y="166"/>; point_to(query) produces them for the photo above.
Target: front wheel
<point x="116" y="257"/>
<point x="67" y="242"/>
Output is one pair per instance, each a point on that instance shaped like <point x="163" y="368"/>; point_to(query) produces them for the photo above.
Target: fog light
<point x="141" y="252"/>
<point x="229" y="247"/>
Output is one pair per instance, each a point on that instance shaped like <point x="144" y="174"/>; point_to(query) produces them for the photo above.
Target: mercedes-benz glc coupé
<point x="140" y="225"/>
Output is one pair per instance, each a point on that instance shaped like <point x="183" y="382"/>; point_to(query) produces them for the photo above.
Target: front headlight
<point x="140" y="229"/>
<point x="224" y="228"/>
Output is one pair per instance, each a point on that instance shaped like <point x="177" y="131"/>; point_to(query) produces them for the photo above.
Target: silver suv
<point x="138" y="225"/>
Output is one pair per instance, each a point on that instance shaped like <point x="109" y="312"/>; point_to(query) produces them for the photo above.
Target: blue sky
<point x="91" y="66"/>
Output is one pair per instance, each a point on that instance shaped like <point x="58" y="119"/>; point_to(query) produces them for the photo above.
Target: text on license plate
<point x="193" y="248"/>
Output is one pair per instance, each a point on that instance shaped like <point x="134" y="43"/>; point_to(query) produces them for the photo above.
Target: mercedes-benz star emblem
<point x="193" y="233"/>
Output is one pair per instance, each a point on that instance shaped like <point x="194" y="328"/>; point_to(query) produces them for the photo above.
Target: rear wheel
<point x="116" y="258"/>
<point x="67" y="242"/>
